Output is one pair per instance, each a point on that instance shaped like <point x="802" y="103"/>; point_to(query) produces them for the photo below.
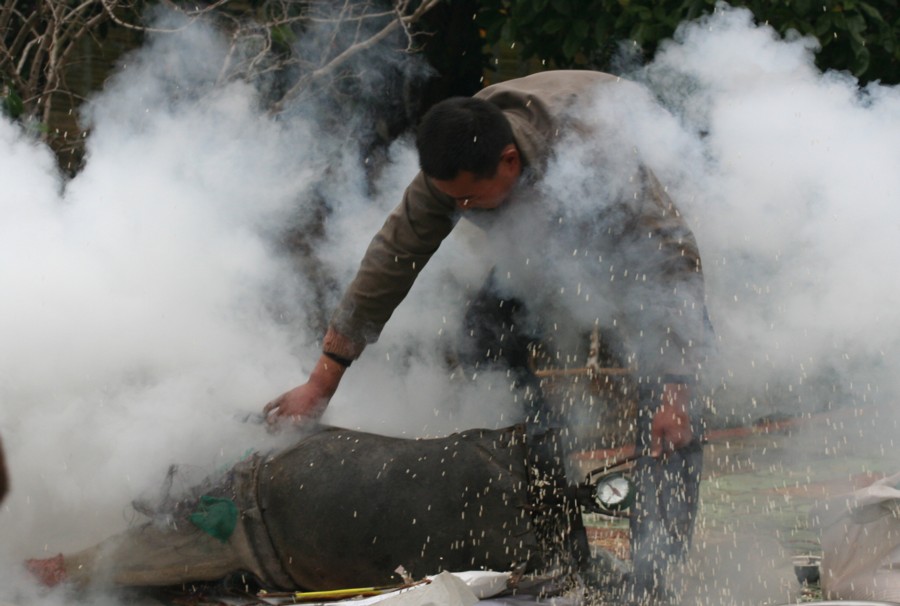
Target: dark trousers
<point x="663" y="516"/>
<point x="662" y="519"/>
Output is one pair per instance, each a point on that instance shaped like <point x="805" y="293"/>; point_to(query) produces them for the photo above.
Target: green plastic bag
<point x="216" y="517"/>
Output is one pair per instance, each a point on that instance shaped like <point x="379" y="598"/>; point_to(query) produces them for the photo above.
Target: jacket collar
<point x="534" y="146"/>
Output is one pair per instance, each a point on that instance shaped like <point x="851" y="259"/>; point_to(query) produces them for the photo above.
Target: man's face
<point x="473" y="193"/>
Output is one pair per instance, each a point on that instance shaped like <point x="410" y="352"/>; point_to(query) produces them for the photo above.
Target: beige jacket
<point x="537" y="107"/>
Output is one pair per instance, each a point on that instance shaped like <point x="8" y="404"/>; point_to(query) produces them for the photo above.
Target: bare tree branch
<point x="40" y="44"/>
<point x="400" y="19"/>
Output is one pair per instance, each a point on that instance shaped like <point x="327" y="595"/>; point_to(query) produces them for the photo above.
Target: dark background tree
<point x="54" y="53"/>
<point x="860" y="37"/>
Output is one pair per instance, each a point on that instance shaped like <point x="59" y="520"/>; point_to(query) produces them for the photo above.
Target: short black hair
<point x="462" y="134"/>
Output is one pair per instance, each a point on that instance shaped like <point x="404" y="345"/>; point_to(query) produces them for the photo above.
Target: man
<point x="481" y="154"/>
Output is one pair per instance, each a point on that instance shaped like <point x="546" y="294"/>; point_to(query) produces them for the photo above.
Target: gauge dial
<point x="615" y="492"/>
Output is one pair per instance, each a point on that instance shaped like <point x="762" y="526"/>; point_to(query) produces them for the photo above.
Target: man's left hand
<point x="671" y="426"/>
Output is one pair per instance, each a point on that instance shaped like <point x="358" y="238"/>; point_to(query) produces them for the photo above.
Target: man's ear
<point x="510" y="158"/>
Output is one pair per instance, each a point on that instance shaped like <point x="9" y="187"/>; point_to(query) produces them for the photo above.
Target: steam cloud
<point x="150" y="299"/>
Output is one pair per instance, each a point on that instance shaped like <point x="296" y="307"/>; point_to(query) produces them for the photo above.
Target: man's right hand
<point x="305" y="402"/>
<point x="308" y="401"/>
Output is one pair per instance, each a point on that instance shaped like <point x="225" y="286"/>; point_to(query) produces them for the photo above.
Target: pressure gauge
<point x="614" y="492"/>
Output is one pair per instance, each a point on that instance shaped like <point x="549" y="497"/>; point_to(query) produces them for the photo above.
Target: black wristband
<point x="345" y="362"/>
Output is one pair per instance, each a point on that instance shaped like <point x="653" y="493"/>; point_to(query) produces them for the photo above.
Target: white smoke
<point x="150" y="299"/>
<point x="136" y="293"/>
<point x="151" y="303"/>
<point x="793" y="207"/>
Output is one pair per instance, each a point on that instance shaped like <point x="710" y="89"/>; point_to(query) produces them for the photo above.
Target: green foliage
<point x="11" y="103"/>
<point x="860" y="37"/>
<point x="283" y="35"/>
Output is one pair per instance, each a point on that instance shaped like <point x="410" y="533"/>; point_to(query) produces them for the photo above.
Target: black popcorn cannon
<point x="345" y="508"/>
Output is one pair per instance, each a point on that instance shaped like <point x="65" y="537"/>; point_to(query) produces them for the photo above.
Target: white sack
<point x="861" y="543"/>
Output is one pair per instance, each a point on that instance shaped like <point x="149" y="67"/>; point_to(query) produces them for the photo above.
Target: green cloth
<point x="216" y="517"/>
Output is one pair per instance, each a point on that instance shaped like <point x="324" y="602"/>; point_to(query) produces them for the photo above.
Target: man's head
<point x="466" y="148"/>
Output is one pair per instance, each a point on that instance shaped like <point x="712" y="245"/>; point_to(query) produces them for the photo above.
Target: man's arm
<point x="393" y="260"/>
<point x="397" y="254"/>
<point x="675" y="329"/>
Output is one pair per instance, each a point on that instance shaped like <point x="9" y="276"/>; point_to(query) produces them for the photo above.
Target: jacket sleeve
<point x="411" y="234"/>
<point x="668" y="325"/>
